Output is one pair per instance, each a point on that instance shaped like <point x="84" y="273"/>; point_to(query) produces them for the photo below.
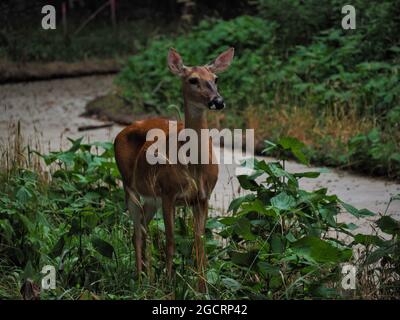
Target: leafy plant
<point x="280" y="237"/>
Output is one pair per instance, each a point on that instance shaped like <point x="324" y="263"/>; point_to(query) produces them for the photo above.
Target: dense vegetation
<point x="90" y="33"/>
<point x="280" y="241"/>
<point x="337" y="90"/>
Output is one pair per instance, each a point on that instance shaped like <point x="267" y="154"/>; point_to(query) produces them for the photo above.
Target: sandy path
<point x="49" y="111"/>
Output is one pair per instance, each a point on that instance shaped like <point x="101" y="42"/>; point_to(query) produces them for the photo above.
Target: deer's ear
<point x="175" y="63"/>
<point x="222" y="62"/>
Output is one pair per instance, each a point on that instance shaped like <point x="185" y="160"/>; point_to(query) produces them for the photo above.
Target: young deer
<point x="169" y="184"/>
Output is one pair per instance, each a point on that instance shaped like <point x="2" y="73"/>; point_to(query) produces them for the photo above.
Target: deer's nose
<point x="216" y="104"/>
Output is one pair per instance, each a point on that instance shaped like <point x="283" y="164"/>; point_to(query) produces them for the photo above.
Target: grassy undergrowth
<point x="66" y="209"/>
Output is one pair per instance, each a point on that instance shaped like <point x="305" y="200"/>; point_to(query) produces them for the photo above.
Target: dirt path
<point x="49" y="112"/>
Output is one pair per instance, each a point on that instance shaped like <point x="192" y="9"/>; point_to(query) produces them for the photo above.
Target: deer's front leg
<point x="200" y="212"/>
<point x="168" y="206"/>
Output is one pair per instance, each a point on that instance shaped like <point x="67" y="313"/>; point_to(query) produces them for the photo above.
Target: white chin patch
<point x="213" y="107"/>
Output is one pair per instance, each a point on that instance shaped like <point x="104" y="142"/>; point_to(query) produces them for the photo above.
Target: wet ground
<point x="49" y="112"/>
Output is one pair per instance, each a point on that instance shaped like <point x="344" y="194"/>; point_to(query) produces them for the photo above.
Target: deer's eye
<point x="193" y="80"/>
<point x="216" y="80"/>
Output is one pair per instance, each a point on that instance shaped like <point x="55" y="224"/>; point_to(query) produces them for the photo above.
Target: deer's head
<point x="200" y="83"/>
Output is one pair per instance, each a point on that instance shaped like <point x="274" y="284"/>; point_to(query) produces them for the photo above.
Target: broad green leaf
<point x="295" y="146"/>
<point x="24" y="195"/>
<point x="231" y="283"/>
<point x="235" y="204"/>
<point x="384" y="251"/>
<point x="67" y="157"/>
<point x="355" y="212"/>
<point x="75" y="144"/>
<point x="103" y="247"/>
<point x="320" y="251"/>
<point x="29" y="225"/>
<point x="276" y="171"/>
<point x="277" y="244"/>
<point x="268" y="269"/>
<point x="212" y="276"/>
<point x="309" y="174"/>
<point x="243" y="258"/>
<point x="247" y="183"/>
<point x="228" y="221"/>
<point x="254" y="206"/>
<point x="389" y="225"/>
<point x="103" y="144"/>
<point x="243" y="229"/>
<point x="214" y="223"/>
<point x="367" y="239"/>
<point x="283" y="201"/>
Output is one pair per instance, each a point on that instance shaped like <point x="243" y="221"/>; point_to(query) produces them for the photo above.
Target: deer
<point x="167" y="186"/>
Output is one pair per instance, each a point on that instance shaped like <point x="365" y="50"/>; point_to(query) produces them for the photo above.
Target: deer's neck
<point x="195" y="117"/>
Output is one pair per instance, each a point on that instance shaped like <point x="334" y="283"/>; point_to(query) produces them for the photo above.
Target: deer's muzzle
<point x="216" y="104"/>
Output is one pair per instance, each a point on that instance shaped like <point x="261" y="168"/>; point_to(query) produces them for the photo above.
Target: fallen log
<point x="94" y="127"/>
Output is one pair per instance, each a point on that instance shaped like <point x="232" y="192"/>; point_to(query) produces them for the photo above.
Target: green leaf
<point x="75" y="144"/>
<point x="350" y="226"/>
<point x="277" y="171"/>
<point x="247" y="183"/>
<point x="277" y="244"/>
<point x="295" y="146"/>
<point x="235" y="204"/>
<point x="388" y="225"/>
<point x="290" y="143"/>
<point x="228" y="221"/>
<point x="212" y="276"/>
<point x="243" y="229"/>
<point x="320" y="251"/>
<point x="28" y="224"/>
<point x="213" y="223"/>
<point x="309" y="174"/>
<point x="103" y="247"/>
<point x="355" y="212"/>
<point x="105" y="145"/>
<point x="244" y="259"/>
<point x="268" y="269"/>
<point x="367" y="239"/>
<point x="23" y="195"/>
<point x="379" y="253"/>
<point x="283" y="201"/>
<point x="231" y="283"/>
<point x="254" y="206"/>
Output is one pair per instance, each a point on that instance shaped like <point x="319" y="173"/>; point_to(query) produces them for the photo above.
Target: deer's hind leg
<point x="137" y="213"/>
<point x="168" y="207"/>
<point x="150" y="207"/>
